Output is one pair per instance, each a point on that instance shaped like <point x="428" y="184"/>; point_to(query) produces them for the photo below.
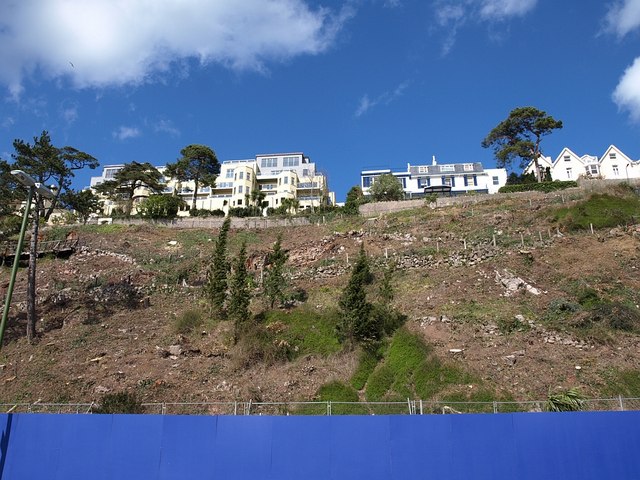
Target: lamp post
<point x="39" y="189"/>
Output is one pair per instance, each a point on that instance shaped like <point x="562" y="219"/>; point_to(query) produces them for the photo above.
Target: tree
<point x="216" y="287"/>
<point x="50" y="165"/>
<point x="127" y="180"/>
<point x="353" y="200"/>
<point x="84" y="203"/>
<point x="160" y="206"/>
<point x="386" y="187"/>
<point x="198" y="164"/>
<point x="45" y="163"/>
<point x="8" y="192"/>
<point x="356" y="311"/>
<point x="239" y="297"/>
<point x="274" y="281"/>
<point x="519" y="136"/>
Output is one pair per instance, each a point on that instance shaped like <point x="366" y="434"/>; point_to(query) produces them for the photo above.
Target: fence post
<point x="329" y="408"/>
<point x="621" y="403"/>
<point x="495" y="407"/>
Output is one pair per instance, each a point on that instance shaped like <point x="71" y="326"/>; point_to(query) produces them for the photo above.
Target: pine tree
<point x="274" y="281"/>
<point x="239" y="296"/>
<point x="216" y="288"/>
<point x="356" y="322"/>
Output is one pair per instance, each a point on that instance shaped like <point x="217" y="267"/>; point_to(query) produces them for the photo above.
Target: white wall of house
<point x="612" y="165"/>
<point x="462" y="178"/>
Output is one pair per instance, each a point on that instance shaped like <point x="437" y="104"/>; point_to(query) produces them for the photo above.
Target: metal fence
<point x="408" y="407"/>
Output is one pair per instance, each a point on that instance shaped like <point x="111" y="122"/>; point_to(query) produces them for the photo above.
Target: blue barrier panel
<point x="523" y="446"/>
<point x="188" y="447"/>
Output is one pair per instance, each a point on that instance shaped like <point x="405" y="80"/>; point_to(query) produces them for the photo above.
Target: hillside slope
<point x="507" y="301"/>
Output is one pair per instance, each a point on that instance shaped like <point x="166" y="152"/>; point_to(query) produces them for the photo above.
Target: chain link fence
<point x="408" y="407"/>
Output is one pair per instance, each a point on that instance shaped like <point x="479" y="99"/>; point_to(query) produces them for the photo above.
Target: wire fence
<point x="408" y="407"/>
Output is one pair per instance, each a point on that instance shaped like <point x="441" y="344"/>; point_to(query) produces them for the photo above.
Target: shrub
<point x="566" y="401"/>
<point x="545" y="187"/>
<point x="188" y="321"/>
<point x="121" y="402"/>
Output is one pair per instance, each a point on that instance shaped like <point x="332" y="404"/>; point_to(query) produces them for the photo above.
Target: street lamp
<point x="33" y="187"/>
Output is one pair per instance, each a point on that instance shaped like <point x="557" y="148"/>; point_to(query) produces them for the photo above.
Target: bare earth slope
<point x="487" y="286"/>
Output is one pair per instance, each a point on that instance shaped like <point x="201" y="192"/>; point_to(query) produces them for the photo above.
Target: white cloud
<point x="97" y="43"/>
<point x="166" y="126"/>
<point x="623" y="17"/>
<point x="7" y="122"/>
<point x="69" y="113"/>
<point x="627" y="93"/>
<point x="503" y="9"/>
<point x="385" y="98"/>
<point x="451" y="15"/>
<point x="123" y="132"/>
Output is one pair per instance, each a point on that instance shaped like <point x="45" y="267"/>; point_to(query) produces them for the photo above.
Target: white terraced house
<point x="278" y="176"/>
<point x="449" y="178"/>
<point x="612" y="165"/>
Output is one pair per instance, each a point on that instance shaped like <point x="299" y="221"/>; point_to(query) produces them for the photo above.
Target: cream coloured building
<point x="273" y="177"/>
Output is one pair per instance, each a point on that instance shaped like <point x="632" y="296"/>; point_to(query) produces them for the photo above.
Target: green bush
<point x="565" y="401"/>
<point x="538" y="187"/>
<point x="121" y="402"/>
<point x="160" y="206"/>
<point x="9" y="226"/>
<point x="188" y="321"/>
<point x="203" y="212"/>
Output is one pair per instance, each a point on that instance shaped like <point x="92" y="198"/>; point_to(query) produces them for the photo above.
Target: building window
<point x="468" y="167"/>
<point x="567" y="158"/>
<point x="366" y="182"/>
<point x="403" y="181"/>
<point x="241" y="175"/>
<point x="305" y="172"/>
<point x="447" y="168"/>
<point x="569" y="172"/>
<point x="240" y="189"/>
<point x="592" y="169"/>
<point x="423" y="169"/>
<point x="290" y="161"/>
<point x="612" y="156"/>
<point x="286" y="180"/>
<point x="239" y="202"/>
<point x="448" y="181"/>
<point x="616" y="172"/>
<point x="496" y="180"/>
<point x="269" y="162"/>
<point x="229" y="173"/>
<point x="248" y="176"/>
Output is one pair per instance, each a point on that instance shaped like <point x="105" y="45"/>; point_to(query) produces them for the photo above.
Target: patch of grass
<point x="336" y="392"/>
<point x="623" y="382"/>
<point x="368" y="361"/>
<point x="306" y="330"/>
<point x="411" y="369"/>
<point x="490" y="310"/>
<point x="379" y="383"/>
<point x="599" y="210"/>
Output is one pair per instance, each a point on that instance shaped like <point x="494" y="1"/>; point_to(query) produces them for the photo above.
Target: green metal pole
<point x="14" y="269"/>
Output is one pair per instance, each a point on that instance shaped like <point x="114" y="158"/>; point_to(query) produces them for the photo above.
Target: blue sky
<point x="353" y="84"/>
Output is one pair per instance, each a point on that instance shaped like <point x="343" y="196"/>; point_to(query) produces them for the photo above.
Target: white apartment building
<point x="612" y="165"/>
<point x="277" y="176"/>
<point x="450" y="178"/>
